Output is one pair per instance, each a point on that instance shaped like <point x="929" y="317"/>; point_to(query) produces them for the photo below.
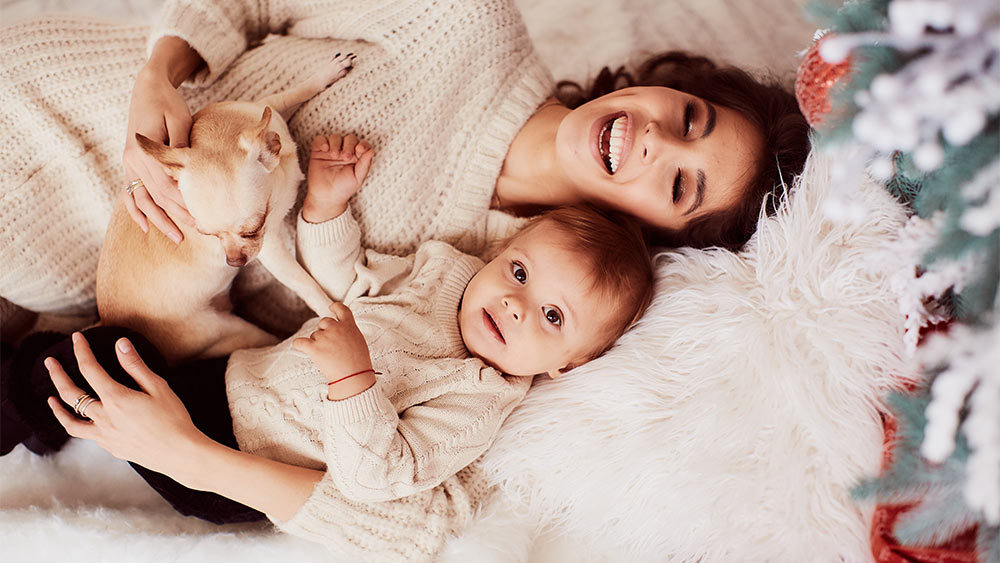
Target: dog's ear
<point x="171" y="158"/>
<point x="263" y="143"/>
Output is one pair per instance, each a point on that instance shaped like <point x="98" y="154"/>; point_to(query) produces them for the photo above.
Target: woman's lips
<point x="612" y="154"/>
<point x="493" y="327"/>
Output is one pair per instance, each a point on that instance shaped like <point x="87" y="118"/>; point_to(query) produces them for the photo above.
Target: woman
<point x="452" y="97"/>
<point x="461" y="112"/>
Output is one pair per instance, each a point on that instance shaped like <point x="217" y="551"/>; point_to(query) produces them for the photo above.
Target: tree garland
<point x="920" y="109"/>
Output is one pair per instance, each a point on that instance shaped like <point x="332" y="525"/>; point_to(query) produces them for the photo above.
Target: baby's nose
<point x="513" y="307"/>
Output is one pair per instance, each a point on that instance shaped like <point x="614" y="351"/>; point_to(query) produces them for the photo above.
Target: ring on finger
<point x="86" y="403"/>
<point x="82" y="402"/>
<point x="76" y="404"/>
<point x="133" y="185"/>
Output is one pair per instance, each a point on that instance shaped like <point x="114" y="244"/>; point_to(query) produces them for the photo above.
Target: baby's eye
<point x="552" y="315"/>
<point x="518" y="271"/>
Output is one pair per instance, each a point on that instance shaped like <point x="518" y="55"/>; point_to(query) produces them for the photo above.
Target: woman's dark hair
<point x="766" y="104"/>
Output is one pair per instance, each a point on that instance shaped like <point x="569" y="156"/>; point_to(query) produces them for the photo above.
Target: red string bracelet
<point x="353" y="374"/>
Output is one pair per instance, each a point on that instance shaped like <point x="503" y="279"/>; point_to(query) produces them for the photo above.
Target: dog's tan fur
<point x="239" y="177"/>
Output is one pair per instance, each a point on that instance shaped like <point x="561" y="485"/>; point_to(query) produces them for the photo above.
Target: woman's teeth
<point x="612" y="142"/>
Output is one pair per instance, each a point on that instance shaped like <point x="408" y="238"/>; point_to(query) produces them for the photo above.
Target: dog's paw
<point x="335" y="69"/>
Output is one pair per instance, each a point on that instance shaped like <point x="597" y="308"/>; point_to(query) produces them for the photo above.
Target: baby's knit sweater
<point x="396" y="455"/>
<point x="439" y="89"/>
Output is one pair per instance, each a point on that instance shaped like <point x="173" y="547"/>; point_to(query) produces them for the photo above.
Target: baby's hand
<point x="337" y="347"/>
<point x="337" y="167"/>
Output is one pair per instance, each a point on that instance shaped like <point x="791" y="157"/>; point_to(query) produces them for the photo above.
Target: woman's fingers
<point x="156" y="215"/>
<point x="67" y="390"/>
<point x="173" y="204"/>
<point x="73" y="425"/>
<point x="134" y="365"/>
<point x="178" y="128"/>
<point x="133" y="210"/>
<point x="91" y="369"/>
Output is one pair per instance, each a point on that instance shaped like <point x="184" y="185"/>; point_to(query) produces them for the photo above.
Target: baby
<point x="398" y="392"/>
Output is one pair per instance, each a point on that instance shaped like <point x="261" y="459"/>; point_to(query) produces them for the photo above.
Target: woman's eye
<point x="688" y="117"/>
<point x="552" y="315"/>
<point x="678" y="192"/>
<point x="518" y="271"/>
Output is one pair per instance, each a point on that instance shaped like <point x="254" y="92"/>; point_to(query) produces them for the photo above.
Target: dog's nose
<point x="237" y="262"/>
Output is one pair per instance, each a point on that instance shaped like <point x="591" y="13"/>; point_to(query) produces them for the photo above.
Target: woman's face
<point x="661" y="155"/>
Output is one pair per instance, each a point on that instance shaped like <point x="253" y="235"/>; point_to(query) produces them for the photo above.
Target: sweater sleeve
<point x="375" y="454"/>
<point x="221" y="30"/>
<point x="331" y="252"/>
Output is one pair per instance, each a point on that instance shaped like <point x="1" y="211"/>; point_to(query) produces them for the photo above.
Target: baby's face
<point x="533" y="309"/>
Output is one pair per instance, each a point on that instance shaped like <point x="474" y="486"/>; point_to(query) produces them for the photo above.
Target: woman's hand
<point x="337" y="168"/>
<point x="338" y="349"/>
<point x="158" y="111"/>
<point x="149" y="427"/>
<point x="153" y="429"/>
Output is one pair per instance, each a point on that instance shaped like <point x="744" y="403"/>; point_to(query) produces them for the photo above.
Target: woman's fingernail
<point x="123" y="346"/>
<point x="77" y="337"/>
<point x="47" y="362"/>
<point x="176" y="237"/>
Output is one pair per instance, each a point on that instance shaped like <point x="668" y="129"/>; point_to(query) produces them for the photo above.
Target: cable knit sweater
<point x="396" y="456"/>
<point x="440" y="89"/>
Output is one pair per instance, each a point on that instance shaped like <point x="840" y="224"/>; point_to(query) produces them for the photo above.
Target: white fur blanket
<point x="731" y="423"/>
<point x="728" y="426"/>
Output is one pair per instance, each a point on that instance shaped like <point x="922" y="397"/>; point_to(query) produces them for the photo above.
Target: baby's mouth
<point x="611" y="141"/>
<point x="492" y="326"/>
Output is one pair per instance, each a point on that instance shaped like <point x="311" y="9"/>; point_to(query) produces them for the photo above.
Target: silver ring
<point x="86" y="403"/>
<point x="131" y="187"/>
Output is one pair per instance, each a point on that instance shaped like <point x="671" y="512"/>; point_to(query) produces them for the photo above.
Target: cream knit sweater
<point x="440" y="88"/>
<point x="396" y="455"/>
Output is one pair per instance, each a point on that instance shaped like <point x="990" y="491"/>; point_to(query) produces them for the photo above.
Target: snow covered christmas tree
<point x="920" y="107"/>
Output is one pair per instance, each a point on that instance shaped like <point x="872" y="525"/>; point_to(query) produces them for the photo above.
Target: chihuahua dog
<point x="239" y="178"/>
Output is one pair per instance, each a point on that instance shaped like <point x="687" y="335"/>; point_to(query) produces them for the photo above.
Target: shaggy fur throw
<point x="732" y="422"/>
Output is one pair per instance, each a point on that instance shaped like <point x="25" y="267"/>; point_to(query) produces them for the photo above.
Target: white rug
<point x="728" y="427"/>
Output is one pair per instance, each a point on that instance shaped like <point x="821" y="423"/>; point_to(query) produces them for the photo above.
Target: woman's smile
<point x="612" y="137"/>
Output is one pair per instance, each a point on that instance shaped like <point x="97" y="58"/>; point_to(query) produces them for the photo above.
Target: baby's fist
<point x="337" y="346"/>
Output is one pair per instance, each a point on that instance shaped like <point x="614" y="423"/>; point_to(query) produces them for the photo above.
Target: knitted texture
<point x="396" y="455"/>
<point x="439" y="90"/>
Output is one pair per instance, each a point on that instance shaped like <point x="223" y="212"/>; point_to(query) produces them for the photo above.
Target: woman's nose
<point x="513" y="307"/>
<point x="657" y="143"/>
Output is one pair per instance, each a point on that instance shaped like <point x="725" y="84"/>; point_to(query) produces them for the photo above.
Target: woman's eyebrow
<point x="710" y="121"/>
<point x="699" y="192"/>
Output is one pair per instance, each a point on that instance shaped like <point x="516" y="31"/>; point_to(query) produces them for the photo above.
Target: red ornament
<point x="813" y="81"/>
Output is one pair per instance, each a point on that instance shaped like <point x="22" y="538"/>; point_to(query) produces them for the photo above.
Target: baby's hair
<point x="618" y="257"/>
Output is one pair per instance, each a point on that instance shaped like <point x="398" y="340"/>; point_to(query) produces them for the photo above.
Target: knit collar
<point x="449" y="297"/>
<point x="507" y="114"/>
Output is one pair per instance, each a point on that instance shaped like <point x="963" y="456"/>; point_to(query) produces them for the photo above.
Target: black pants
<point x="200" y="386"/>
